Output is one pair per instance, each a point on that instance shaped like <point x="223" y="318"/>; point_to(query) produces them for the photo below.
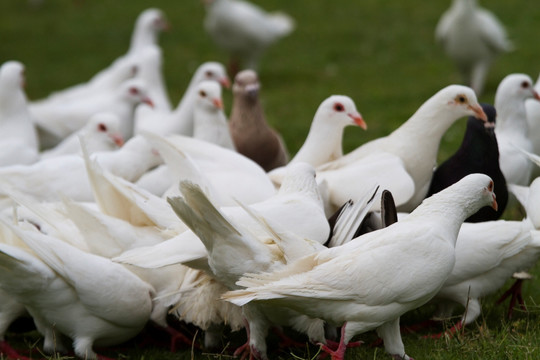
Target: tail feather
<point x="200" y="215"/>
<point x="242" y="297"/>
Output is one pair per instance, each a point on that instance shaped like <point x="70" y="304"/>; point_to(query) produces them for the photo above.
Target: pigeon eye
<point x="202" y="93"/>
<point x="525" y="85"/>
<point x="491" y="186"/>
<point x="102" y="127"/>
<point x="209" y="74"/>
<point x="134" y="91"/>
<point x="461" y="99"/>
<point x="339" y="107"/>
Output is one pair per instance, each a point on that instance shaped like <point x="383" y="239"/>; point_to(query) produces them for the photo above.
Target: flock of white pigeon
<point x="118" y="209"/>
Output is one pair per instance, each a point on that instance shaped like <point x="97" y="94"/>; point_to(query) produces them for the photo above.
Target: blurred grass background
<point x="380" y="53"/>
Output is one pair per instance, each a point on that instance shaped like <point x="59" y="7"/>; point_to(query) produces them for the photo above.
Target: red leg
<point x="287" y="341"/>
<point x="515" y="292"/>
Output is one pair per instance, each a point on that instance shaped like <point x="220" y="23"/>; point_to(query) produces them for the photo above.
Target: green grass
<point x="380" y="53"/>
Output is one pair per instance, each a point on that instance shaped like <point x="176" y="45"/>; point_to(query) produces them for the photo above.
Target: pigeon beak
<point x="536" y="96"/>
<point x="118" y="139"/>
<point x="225" y="82"/>
<point x="494" y="204"/>
<point x="358" y="120"/>
<point x="478" y="112"/>
<point x="218" y="103"/>
<point x="252" y="89"/>
<point x="148" y="102"/>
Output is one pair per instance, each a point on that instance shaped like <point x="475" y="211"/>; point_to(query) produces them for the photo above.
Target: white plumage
<point x="244" y="30"/>
<point x="408" y="153"/>
<point x="472" y="37"/>
<point x="180" y="119"/>
<point x="371" y="281"/>
<point x="18" y="137"/>
<point x="512" y="128"/>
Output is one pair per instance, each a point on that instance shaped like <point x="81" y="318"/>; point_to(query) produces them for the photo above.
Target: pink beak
<point x="225" y="82"/>
<point x="536" y="96"/>
<point x="148" y="101"/>
<point x="118" y="139"/>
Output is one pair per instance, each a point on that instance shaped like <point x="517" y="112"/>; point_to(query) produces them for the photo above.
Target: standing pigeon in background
<point x="18" y="137"/>
<point x="479" y="153"/>
<point x="244" y="30"/>
<point x="250" y="132"/>
<point x="472" y="37"/>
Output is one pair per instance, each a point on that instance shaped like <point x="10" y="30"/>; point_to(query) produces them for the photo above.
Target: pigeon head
<point x="135" y="91"/>
<point x="246" y="83"/>
<point x="12" y="74"/>
<point x="339" y="109"/>
<point x="212" y="71"/>
<point x="105" y="125"/>
<point x="209" y="96"/>
<point x="515" y="88"/>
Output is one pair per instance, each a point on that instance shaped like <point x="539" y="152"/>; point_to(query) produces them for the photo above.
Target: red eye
<point x="202" y="93"/>
<point x="102" y="127"/>
<point x="339" y="107"/>
<point x="134" y="91"/>
<point x="491" y="186"/>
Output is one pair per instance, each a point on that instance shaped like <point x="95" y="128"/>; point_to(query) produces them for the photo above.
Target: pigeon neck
<point x="323" y="144"/>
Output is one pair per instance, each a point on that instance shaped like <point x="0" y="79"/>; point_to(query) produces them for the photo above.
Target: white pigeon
<point x="101" y="133"/>
<point x="512" y="128"/>
<point x="533" y="119"/>
<point x="237" y="247"/>
<point x="83" y="296"/>
<point x="18" y="136"/>
<point x="487" y="255"/>
<point x="149" y="24"/>
<point x="403" y="161"/>
<point x="369" y="282"/>
<point x="244" y="30"/>
<point x="180" y="119"/>
<point x="209" y="120"/>
<point x="66" y="175"/>
<point x="65" y="118"/>
<point x="150" y="65"/>
<point x="324" y="140"/>
<point x="232" y="175"/>
<point x="145" y="34"/>
<point x="472" y="37"/>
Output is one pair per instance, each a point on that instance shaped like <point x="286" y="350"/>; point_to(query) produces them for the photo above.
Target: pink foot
<point x="243" y="351"/>
<point x="9" y="352"/>
<point x="337" y="353"/>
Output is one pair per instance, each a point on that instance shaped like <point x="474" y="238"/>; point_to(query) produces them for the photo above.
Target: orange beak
<point x="358" y="120"/>
<point x="478" y="112"/>
<point x="218" y="103"/>
<point x="494" y="204"/>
